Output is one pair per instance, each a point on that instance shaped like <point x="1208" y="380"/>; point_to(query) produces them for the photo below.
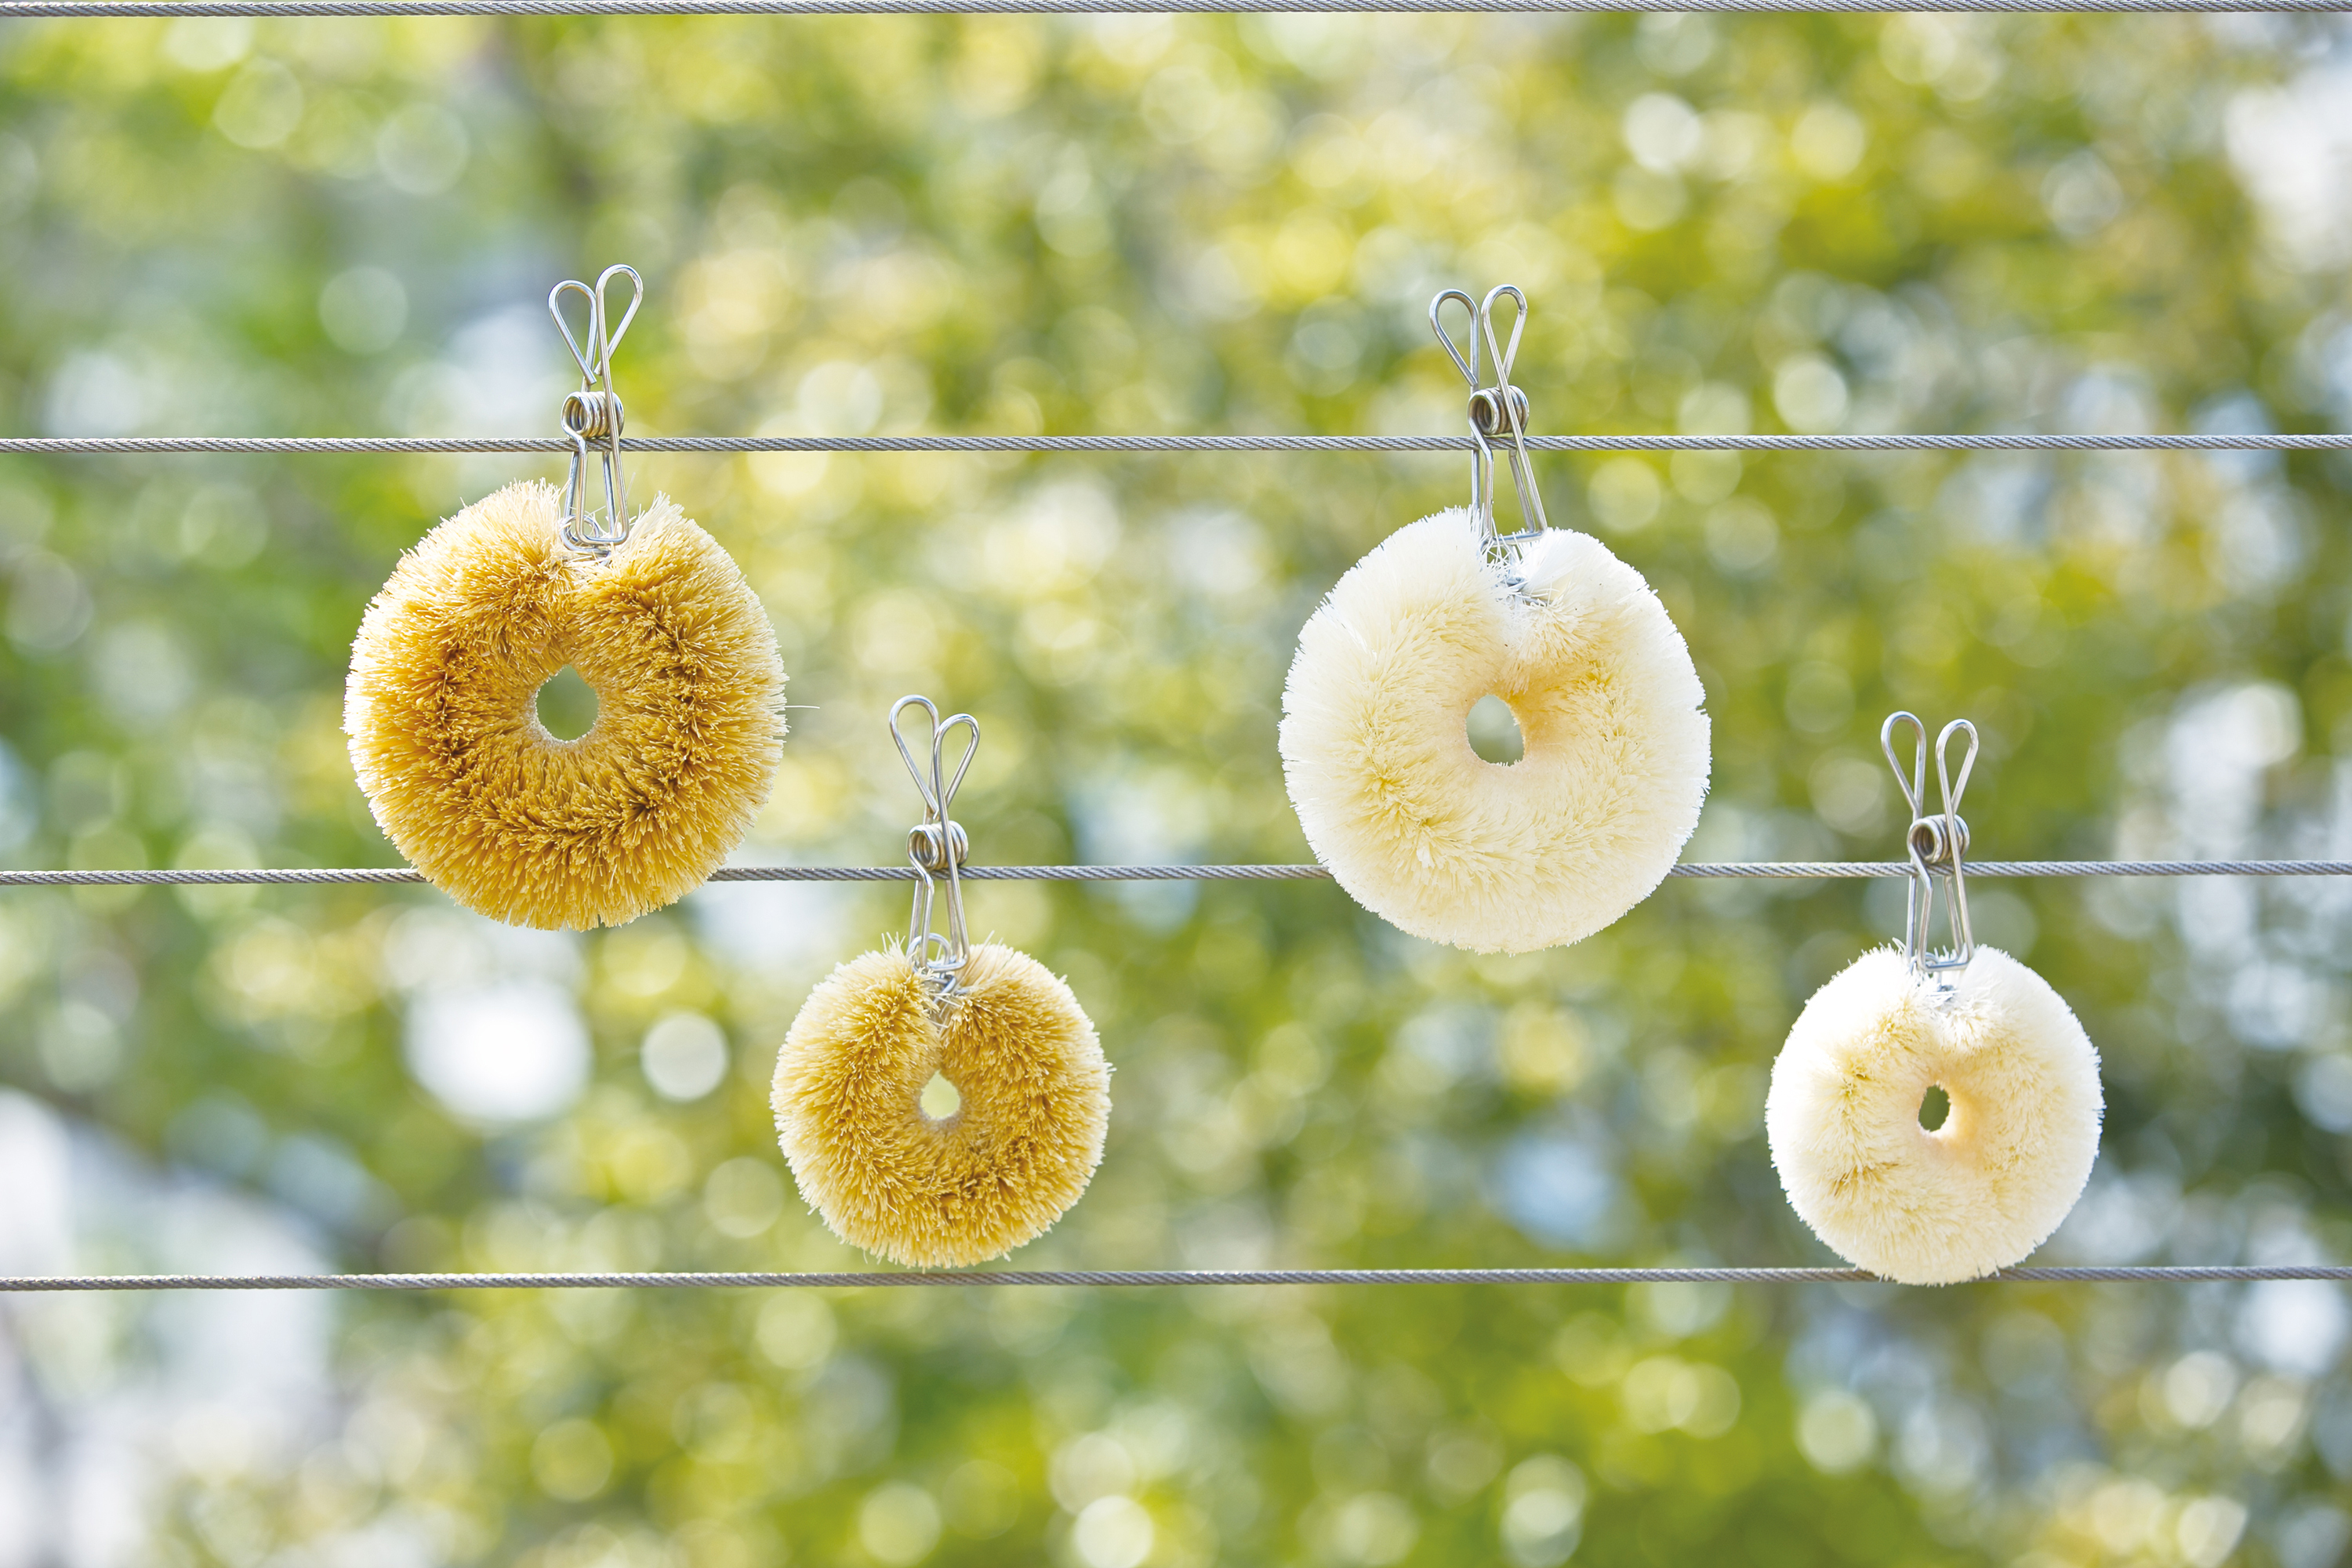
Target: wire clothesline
<point x="140" y="445"/>
<point x="1156" y="1278"/>
<point x="130" y="8"/>
<point x="395" y="876"/>
<point x="2168" y="1274"/>
<point x="1132" y="1279"/>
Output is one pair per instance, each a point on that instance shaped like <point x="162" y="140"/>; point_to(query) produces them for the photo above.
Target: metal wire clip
<point x="937" y="845"/>
<point x="1500" y="410"/>
<point x="1938" y="846"/>
<point x="594" y="413"/>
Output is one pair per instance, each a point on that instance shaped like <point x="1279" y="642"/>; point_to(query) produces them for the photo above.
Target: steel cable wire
<point x="93" y="9"/>
<point x="1149" y="1278"/>
<point x="401" y="876"/>
<point x="99" y="9"/>
<point x="1138" y="1278"/>
<point x="136" y="445"/>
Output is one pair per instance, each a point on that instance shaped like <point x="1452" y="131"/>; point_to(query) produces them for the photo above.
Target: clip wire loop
<point x="1937" y="844"/>
<point x="594" y="412"/>
<point x="936" y="845"/>
<point x="1497" y="411"/>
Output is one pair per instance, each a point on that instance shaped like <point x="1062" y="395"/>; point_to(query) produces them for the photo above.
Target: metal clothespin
<point x="937" y="845"/>
<point x="1939" y="846"/>
<point x="1497" y="411"/>
<point x="594" y="413"/>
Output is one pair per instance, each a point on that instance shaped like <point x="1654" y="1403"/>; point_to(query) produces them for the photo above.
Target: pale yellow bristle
<point x="1983" y="1189"/>
<point x="1412" y="823"/>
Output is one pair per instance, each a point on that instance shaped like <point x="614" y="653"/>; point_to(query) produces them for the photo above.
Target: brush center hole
<point x="941" y="1098"/>
<point x="567" y="705"/>
<point x="1935" y="1106"/>
<point x="1495" y="731"/>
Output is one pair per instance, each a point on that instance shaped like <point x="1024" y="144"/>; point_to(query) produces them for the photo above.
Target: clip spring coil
<point x="594" y="412"/>
<point x="1937" y="844"/>
<point x="937" y="845"/>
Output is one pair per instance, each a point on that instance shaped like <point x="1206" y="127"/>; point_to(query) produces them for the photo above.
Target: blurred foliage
<point x="1207" y="224"/>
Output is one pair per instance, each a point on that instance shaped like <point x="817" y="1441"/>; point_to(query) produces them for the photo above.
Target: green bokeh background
<point x="1205" y="224"/>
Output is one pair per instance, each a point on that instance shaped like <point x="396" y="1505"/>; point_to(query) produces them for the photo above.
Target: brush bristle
<point x="440" y="710"/>
<point x="1019" y="1152"/>
<point x="1994" y="1179"/>
<point x="1412" y="822"/>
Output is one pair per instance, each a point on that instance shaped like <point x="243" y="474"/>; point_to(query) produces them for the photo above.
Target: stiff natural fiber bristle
<point x="1036" y="1102"/>
<point x="441" y="711"/>
<point x="1991" y="1184"/>
<point x="1418" y="827"/>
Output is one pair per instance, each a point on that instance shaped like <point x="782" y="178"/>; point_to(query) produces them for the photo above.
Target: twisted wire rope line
<point x="158" y="444"/>
<point x="401" y="876"/>
<point x="1138" y="1278"/>
<point x="1148" y="1278"/>
<point x="120" y="8"/>
<point x="1131" y="1278"/>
